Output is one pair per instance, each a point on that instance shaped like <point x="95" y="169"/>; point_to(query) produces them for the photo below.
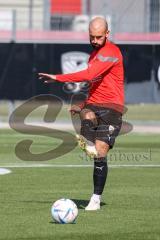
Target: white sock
<point x="96" y="197"/>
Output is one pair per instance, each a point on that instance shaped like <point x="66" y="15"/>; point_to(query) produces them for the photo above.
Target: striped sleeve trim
<point x="107" y="59"/>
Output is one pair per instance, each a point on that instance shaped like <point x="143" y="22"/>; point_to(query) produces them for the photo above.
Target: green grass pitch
<point x="130" y="204"/>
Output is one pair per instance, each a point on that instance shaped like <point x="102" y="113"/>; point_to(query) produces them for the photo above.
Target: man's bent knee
<point x="87" y="114"/>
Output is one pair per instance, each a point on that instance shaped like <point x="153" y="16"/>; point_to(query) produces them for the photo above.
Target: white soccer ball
<point x="64" y="211"/>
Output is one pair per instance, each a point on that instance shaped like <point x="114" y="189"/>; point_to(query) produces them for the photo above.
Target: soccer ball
<point x="64" y="211"/>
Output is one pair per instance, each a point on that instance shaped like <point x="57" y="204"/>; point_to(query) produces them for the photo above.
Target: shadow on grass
<point x="37" y="201"/>
<point x="81" y="204"/>
<point x="54" y="222"/>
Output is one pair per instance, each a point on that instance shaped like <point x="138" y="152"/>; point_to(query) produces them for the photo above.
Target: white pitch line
<point x="79" y="166"/>
<point x="136" y="165"/>
<point x="44" y="165"/>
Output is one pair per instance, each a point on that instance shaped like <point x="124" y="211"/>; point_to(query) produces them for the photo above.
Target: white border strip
<point x="79" y="166"/>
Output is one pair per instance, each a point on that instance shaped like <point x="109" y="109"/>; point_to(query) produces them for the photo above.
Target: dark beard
<point x="97" y="47"/>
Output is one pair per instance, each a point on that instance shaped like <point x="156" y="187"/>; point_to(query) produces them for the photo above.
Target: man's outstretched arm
<point x="93" y="72"/>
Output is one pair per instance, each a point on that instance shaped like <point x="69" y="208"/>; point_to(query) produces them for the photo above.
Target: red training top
<point x="106" y="76"/>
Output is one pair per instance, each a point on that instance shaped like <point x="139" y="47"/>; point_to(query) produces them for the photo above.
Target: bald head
<point x="98" y="23"/>
<point x="98" y="32"/>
